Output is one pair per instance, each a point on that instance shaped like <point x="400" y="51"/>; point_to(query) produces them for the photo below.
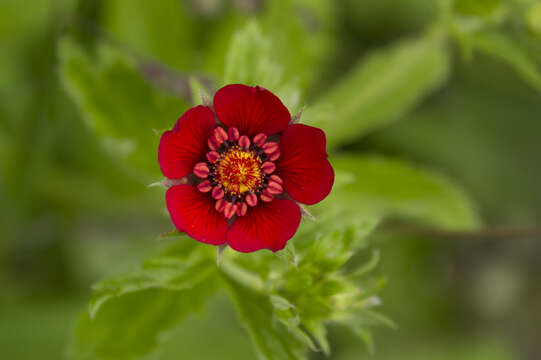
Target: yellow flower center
<point x="239" y="171"/>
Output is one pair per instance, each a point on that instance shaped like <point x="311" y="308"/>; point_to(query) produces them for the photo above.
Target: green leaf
<point x="508" y="50"/>
<point x="270" y="337"/>
<point x="382" y="87"/>
<point x="249" y="62"/>
<point x="395" y="189"/>
<point x="533" y="18"/>
<point x="117" y="103"/>
<point x="476" y="7"/>
<point x="128" y="314"/>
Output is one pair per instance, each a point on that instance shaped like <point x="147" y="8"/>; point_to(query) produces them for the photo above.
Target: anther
<point x="244" y="142"/>
<point x="233" y="134"/>
<point x="217" y="193"/>
<point x="230" y="210"/>
<point x="251" y="199"/>
<point x="212" y="156"/>
<point x="274" y="188"/>
<point x="212" y="144"/>
<point x="274" y="156"/>
<point x="270" y="147"/>
<point x="277" y="179"/>
<point x="266" y="196"/>
<point x="242" y="208"/>
<point x="220" y="135"/>
<point x="220" y="205"/>
<point x="205" y="186"/>
<point x="260" y="139"/>
<point x="268" y="167"/>
<point x="201" y="170"/>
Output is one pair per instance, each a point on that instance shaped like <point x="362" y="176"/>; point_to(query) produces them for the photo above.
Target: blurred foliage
<point x="449" y="84"/>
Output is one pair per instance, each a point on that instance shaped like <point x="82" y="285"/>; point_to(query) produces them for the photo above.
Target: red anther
<point x="233" y="134"/>
<point x="268" y="167"/>
<point x="274" y="156"/>
<point x="217" y="193"/>
<point x="212" y="156"/>
<point x="220" y="134"/>
<point x="205" y="186"/>
<point x="277" y="179"/>
<point x="266" y="196"/>
<point x="220" y="205"/>
<point x="230" y="210"/>
<point x="201" y="170"/>
<point x="212" y="144"/>
<point x="251" y="199"/>
<point x="242" y="208"/>
<point x="274" y="188"/>
<point x="260" y="139"/>
<point x="270" y="147"/>
<point x="244" y="142"/>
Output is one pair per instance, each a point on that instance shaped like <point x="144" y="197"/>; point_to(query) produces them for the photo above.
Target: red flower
<point x="245" y="167"/>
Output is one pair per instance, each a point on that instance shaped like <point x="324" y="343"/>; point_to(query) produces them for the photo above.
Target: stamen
<point x="220" y="135"/>
<point x="217" y="193"/>
<point x="212" y="156"/>
<point x="233" y="134"/>
<point x="205" y="186"/>
<point x="244" y="142"/>
<point x="277" y="179"/>
<point x="230" y="210"/>
<point x="266" y="196"/>
<point x="274" y="156"/>
<point x="242" y="208"/>
<point x="201" y="170"/>
<point x="260" y="139"/>
<point x="268" y="167"/>
<point x="274" y="188"/>
<point x="251" y="199"/>
<point x="212" y="144"/>
<point x="270" y="147"/>
<point x="220" y="205"/>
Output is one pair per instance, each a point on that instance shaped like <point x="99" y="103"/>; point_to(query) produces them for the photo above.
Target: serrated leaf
<point x="128" y="314"/>
<point x="270" y="337"/>
<point x="501" y="46"/>
<point x="380" y="88"/>
<point x="395" y="189"/>
<point x="117" y="103"/>
<point x="130" y="326"/>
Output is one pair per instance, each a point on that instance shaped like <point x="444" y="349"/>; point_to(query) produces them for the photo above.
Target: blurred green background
<point x="80" y="80"/>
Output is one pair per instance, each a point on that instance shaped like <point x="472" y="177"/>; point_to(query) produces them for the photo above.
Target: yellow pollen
<point x="239" y="171"/>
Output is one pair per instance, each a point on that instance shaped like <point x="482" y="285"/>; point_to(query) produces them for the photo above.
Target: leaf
<point x="533" y="18"/>
<point x="505" y="48"/>
<point x="476" y="7"/>
<point x="131" y="325"/>
<point x="270" y="337"/>
<point x="248" y="61"/>
<point x="117" y="103"/>
<point x="380" y="88"/>
<point x="128" y="314"/>
<point x="395" y="189"/>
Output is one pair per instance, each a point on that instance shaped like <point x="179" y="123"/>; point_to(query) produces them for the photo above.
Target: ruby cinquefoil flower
<point x="243" y="168"/>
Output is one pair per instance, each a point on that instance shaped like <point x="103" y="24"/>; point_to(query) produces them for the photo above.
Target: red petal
<point x="266" y="226"/>
<point x="186" y="144"/>
<point x="308" y="176"/>
<point x="193" y="212"/>
<point x="252" y="110"/>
